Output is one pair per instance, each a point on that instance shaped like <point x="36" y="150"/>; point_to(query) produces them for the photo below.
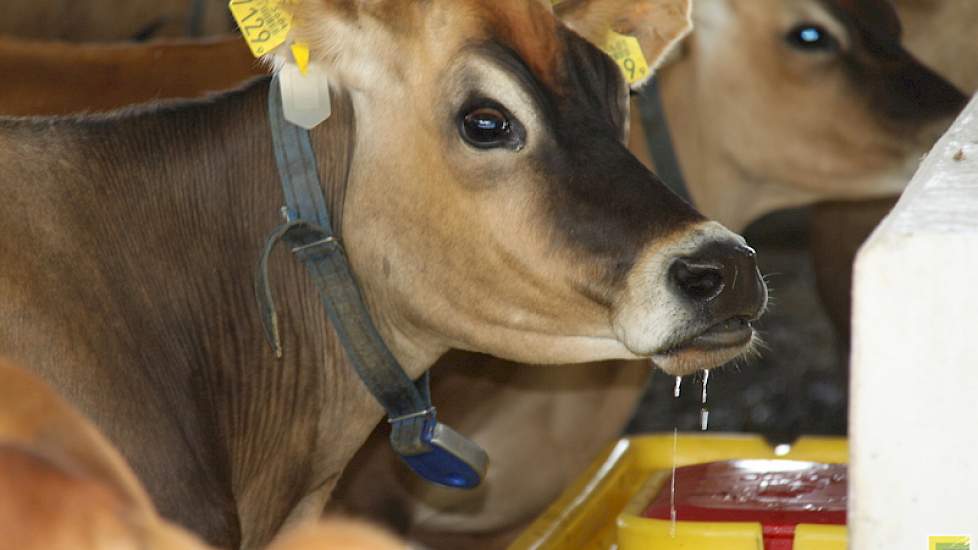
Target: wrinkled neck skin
<point x="348" y="152"/>
<point x="135" y="300"/>
<point x="348" y="411"/>
<point x="368" y="243"/>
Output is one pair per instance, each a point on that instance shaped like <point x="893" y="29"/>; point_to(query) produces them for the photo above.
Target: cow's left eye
<point x="811" y="37"/>
<point x="489" y="126"/>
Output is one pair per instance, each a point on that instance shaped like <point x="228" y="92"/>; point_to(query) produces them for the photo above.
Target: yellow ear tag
<point x="627" y="53"/>
<point x="300" y="52"/>
<point x="264" y="24"/>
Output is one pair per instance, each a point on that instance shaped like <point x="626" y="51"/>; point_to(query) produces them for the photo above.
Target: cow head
<point x="786" y="102"/>
<point x="492" y="205"/>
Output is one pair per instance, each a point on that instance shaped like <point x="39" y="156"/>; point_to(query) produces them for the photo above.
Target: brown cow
<point x="486" y="202"/>
<point x="941" y="33"/>
<point x="58" y="78"/>
<point x="65" y="487"/>
<point x="833" y="107"/>
<point x="588" y="392"/>
<point x="111" y="20"/>
<point x="760" y="122"/>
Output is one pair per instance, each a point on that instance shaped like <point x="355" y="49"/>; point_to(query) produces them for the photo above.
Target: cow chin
<point x="683" y="361"/>
<point x="693" y="355"/>
<point x="697" y="353"/>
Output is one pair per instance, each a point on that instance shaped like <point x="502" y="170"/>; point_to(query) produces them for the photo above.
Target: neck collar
<point x="659" y="140"/>
<point x="433" y="450"/>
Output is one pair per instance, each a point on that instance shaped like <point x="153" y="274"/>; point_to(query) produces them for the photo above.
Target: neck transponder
<point x="434" y="451"/>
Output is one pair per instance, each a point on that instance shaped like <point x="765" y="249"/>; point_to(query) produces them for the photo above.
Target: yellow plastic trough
<point x="601" y="509"/>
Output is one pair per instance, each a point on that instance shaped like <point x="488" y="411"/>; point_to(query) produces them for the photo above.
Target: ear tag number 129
<point x="264" y="24"/>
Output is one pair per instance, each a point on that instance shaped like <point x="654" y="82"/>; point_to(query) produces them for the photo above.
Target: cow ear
<point x="657" y="24"/>
<point x="350" y="40"/>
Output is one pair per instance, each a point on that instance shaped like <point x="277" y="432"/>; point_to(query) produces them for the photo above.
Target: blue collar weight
<point x="433" y="450"/>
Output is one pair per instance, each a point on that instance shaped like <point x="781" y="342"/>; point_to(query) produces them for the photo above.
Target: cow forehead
<point x="561" y="62"/>
<point x="525" y="27"/>
<point x="874" y="19"/>
<point x="531" y="31"/>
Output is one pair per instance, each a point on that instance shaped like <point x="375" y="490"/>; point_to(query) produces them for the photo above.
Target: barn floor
<point x="798" y="383"/>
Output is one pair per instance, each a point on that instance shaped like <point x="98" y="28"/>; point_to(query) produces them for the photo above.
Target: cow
<point x="746" y="147"/>
<point x="61" y="78"/>
<point x="841" y="58"/>
<point x="111" y="20"/>
<point x="940" y="33"/>
<point x="66" y="487"/>
<point x="477" y="176"/>
<point x="580" y="389"/>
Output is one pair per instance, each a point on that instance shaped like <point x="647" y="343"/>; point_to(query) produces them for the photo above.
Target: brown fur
<point x="50" y="506"/>
<point x="131" y="295"/>
<point x="746" y="150"/>
<point x="534" y="37"/>
<point x="658" y="25"/>
<point x="212" y="468"/>
<point x="56" y="78"/>
<point x="543" y="426"/>
<point x="65" y="488"/>
<point x="838" y="230"/>
<point x="337" y="534"/>
<point x="741" y="131"/>
<point x="33" y="417"/>
<point x="676" y="106"/>
<point x="940" y="33"/>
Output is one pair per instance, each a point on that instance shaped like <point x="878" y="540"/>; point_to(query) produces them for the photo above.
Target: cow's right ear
<point x="657" y="24"/>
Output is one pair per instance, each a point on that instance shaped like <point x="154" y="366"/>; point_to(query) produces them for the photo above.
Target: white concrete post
<point x="914" y="384"/>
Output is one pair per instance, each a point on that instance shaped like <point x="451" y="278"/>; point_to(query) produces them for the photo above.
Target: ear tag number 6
<point x="627" y="53"/>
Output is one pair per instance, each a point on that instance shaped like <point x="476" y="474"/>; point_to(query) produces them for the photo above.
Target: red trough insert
<point x="778" y="494"/>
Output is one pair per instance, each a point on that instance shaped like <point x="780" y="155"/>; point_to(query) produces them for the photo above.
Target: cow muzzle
<point x="722" y="283"/>
<point x="704" y="294"/>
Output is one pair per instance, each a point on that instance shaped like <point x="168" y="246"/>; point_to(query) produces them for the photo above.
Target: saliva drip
<point x="672" y="495"/>
<point x="704" y="412"/>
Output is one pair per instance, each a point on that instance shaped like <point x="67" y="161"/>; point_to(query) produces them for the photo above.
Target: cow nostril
<point x="701" y="282"/>
<point x="747" y="251"/>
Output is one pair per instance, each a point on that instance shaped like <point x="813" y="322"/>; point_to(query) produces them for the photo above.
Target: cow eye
<point x="810" y="37"/>
<point x="488" y="127"/>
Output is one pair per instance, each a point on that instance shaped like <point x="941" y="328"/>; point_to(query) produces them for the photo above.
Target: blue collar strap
<point x="659" y="142"/>
<point x="434" y="451"/>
